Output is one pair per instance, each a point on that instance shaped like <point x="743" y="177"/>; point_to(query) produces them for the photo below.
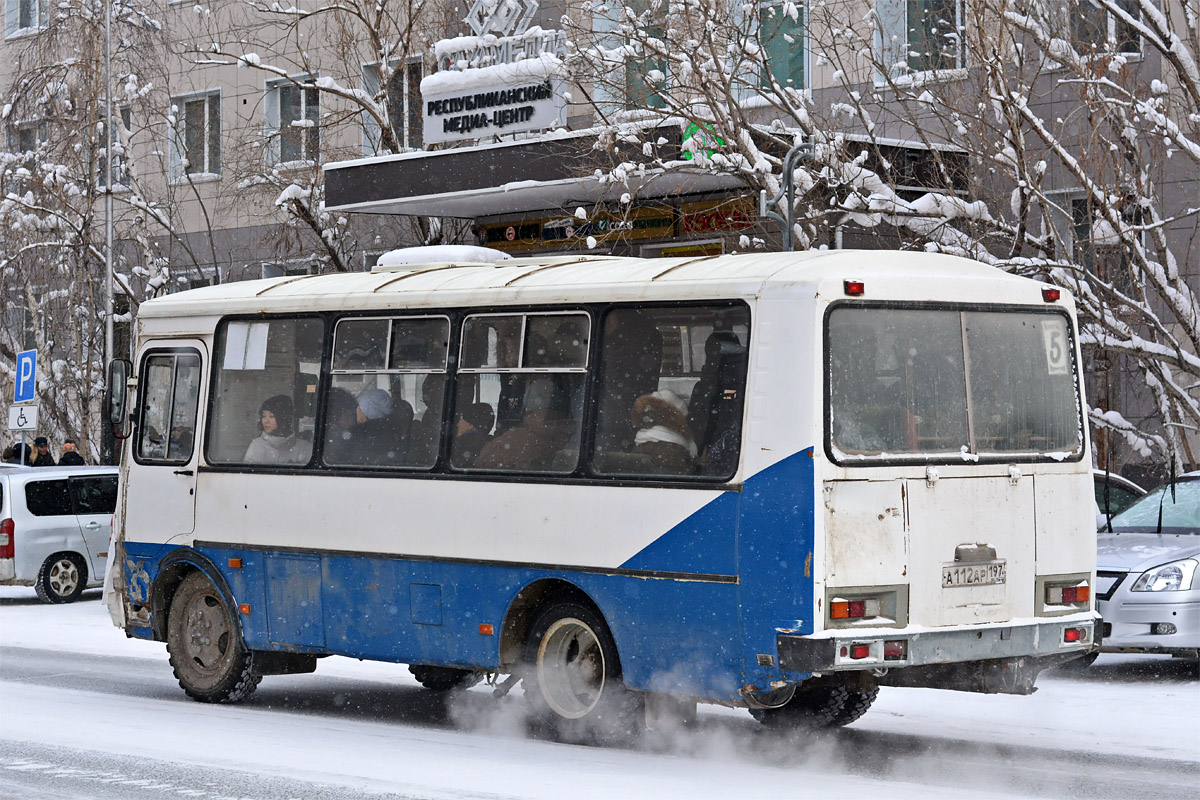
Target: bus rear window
<point x="906" y="382"/>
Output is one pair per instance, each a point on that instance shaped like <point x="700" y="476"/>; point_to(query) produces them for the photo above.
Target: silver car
<point x="54" y="528"/>
<point x="1147" y="576"/>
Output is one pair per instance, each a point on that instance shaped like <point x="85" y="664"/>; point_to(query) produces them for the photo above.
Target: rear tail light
<point x="895" y="650"/>
<point x="1068" y="595"/>
<point x="1073" y="634"/>
<point x="860" y="650"/>
<point x="7" y="538"/>
<point x="854" y="609"/>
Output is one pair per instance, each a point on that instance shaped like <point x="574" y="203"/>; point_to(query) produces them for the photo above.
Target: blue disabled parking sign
<point x="26" y="374"/>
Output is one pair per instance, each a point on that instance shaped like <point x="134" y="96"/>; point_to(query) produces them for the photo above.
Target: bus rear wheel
<point x="818" y="705"/>
<point x="444" y="679"/>
<point x="573" y="676"/>
<point x="205" y="645"/>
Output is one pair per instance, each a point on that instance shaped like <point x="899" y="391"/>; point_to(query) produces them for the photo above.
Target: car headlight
<point x="1173" y="577"/>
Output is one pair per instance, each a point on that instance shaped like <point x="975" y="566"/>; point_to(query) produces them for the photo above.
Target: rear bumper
<point x="832" y="651"/>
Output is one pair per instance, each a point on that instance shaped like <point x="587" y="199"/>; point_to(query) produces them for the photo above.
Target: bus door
<point x="160" y="502"/>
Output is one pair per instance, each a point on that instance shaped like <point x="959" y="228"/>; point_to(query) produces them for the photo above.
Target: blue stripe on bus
<point x="674" y="635"/>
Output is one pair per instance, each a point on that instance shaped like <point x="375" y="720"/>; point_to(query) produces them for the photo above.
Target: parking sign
<point x="26" y="373"/>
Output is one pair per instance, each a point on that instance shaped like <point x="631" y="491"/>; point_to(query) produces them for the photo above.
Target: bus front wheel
<point x="205" y="646"/>
<point x="573" y="676"/>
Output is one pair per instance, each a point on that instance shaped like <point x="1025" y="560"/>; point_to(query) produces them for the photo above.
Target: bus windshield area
<point x="955" y="384"/>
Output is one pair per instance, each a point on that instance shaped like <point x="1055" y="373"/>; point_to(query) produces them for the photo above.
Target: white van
<point x="55" y="524"/>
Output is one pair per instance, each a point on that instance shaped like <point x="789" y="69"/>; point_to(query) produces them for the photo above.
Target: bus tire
<point x="205" y="645"/>
<point x="61" y="578"/>
<point x="572" y="677"/>
<point x="444" y="679"/>
<point x="816" y="706"/>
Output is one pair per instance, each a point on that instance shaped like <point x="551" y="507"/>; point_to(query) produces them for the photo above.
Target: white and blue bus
<point x="776" y="481"/>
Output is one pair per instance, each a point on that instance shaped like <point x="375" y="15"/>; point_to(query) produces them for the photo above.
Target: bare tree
<point x="346" y="78"/>
<point x="1042" y="144"/>
<point x="53" y="184"/>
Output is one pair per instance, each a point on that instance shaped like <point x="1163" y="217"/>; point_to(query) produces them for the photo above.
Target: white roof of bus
<point x="895" y="275"/>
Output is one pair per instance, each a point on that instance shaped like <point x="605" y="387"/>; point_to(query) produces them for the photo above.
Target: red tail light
<point x="1073" y="634"/>
<point x="860" y="650"/>
<point x="1067" y="595"/>
<point x="854" y="609"/>
<point x="8" y="538"/>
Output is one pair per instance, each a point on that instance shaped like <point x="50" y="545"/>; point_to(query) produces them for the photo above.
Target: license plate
<point x="980" y="573"/>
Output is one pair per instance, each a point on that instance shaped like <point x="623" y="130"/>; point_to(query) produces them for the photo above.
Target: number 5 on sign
<point x="1054" y="339"/>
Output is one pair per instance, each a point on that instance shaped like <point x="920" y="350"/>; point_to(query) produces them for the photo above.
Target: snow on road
<point x="481" y="752"/>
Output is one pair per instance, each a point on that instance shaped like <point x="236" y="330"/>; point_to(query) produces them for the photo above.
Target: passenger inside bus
<point x="631" y="364"/>
<point x="550" y="411"/>
<point x="381" y="435"/>
<point x="664" y="437"/>
<point x="277" y="442"/>
<point x="472" y="432"/>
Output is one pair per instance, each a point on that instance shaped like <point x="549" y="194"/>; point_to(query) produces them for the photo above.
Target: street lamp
<point x="108" y="210"/>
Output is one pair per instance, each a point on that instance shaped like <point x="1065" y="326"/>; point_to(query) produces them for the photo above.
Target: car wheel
<point x="443" y="679"/>
<point x="572" y="676"/>
<point x="204" y="643"/>
<point x="61" y="579"/>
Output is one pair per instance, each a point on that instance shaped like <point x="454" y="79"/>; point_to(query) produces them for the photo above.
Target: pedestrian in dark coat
<point x="43" y="458"/>
<point x="70" y="456"/>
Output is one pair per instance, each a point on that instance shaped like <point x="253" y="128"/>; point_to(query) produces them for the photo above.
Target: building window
<point x="27" y="137"/>
<point x="782" y="36"/>
<point x="196" y="140"/>
<point x="1093" y="29"/>
<point x="293" y="120"/>
<point x="25" y="15"/>
<point x="919" y="36"/>
<point x="288" y="269"/>
<point x="645" y="69"/>
<point x="1096" y="245"/>
<point x="403" y="106"/>
<point x="117" y="137"/>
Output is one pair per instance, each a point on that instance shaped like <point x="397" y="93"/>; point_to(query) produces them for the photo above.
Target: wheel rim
<point x="570" y="668"/>
<point x="64" y="577"/>
<point x="207" y="633"/>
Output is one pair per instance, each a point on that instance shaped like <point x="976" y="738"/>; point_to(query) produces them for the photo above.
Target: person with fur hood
<point x="663" y="433"/>
<point x="276" y="442"/>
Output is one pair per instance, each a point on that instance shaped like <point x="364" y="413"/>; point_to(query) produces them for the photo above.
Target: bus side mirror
<point x="116" y="396"/>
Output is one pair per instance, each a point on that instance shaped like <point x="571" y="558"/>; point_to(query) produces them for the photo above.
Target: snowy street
<point x="86" y="713"/>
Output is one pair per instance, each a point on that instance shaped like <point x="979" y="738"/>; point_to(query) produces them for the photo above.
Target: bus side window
<point x="385" y="404"/>
<point x="530" y="370"/>
<point x="671" y="391"/>
<point x="264" y="366"/>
